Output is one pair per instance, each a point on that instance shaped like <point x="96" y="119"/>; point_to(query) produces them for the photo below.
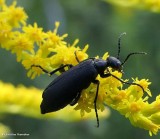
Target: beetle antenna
<point x="132" y="54"/>
<point x="119" y="43"/>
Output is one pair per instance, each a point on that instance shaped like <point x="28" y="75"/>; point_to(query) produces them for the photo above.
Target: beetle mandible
<point x="66" y="88"/>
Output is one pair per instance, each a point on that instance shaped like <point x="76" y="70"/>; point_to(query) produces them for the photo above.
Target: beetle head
<point x="114" y="63"/>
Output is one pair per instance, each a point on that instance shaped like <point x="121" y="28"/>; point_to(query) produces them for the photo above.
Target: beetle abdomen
<point x="66" y="87"/>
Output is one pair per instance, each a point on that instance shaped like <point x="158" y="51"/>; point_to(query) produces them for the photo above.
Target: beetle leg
<point x="52" y="72"/>
<point x="109" y="74"/>
<point x="95" y="100"/>
<point x="62" y="68"/>
<point x="105" y="75"/>
<point x="128" y="82"/>
<point x="76" y="56"/>
<point x="40" y="68"/>
<point x="75" y="100"/>
<point x="75" y="53"/>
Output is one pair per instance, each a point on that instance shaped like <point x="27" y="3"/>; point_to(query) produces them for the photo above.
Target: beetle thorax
<point x="100" y="65"/>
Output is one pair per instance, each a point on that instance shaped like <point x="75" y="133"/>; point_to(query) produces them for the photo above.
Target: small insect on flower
<point x="66" y="88"/>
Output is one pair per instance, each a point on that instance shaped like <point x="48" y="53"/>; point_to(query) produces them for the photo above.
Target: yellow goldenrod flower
<point x="26" y="101"/>
<point x="54" y="39"/>
<point x="2" y="2"/>
<point x="34" y="33"/>
<point x="49" y="50"/>
<point x="21" y="43"/>
<point x="15" y="15"/>
<point x="152" y="5"/>
<point x="125" y="3"/>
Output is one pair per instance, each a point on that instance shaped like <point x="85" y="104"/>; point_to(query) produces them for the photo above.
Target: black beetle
<point x="66" y="88"/>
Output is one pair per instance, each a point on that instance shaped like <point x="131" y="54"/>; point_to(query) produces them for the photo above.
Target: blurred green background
<point x="98" y="24"/>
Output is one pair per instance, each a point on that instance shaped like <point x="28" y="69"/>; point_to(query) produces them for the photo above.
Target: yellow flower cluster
<point x="33" y="46"/>
<point x="26" y="101"/>
<point x="152" y="5"/>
